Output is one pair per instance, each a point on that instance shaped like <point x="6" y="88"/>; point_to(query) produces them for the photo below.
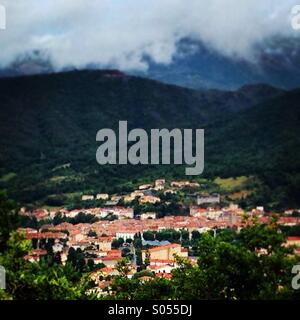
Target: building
<point x="293" y="241"/>
<point x="184" y="183"/>
<point x="123" y="213"/>
<point x="127" y="213"/>
<point x="47" y="235"/>
<point x="208" y="199"/>
<point x="161" y="268"/>
<point x="35" y="255"/>
<point x="41" y="214"/>
<point x="180" y="184"/>
<point x="105" y="243"/>
<point x="214" y="214"/>
<point x="148" y="215"/>
<point x="209" y="213"/>
<point x="72" y="214"/>
<point x="165" y="252"/>
<point x="126" y="234"/>
<point x="170" y="191"/>
<point x="84" y="244"/>
<point x="87" y="197"/>
<point x="111" y="203"/>
<point x="120" y="212"/>
<point x="57" y="247"/>
<point x="77" y="236"/>
<point x="145" y="186"/>
<point x="112" y="258"/>
<point x="128" y="198"/>
<point x="110" y="261"/>
<point x="102" y="196"/>
<point x="149" y="199"/>
<point x="194" y="185"/>
<point x="106" y="271"/>
<point x="160" y="184"/>
<point x="135" y="194"/>
<point x="116" y="198"/>
<point x="197" y="211"/>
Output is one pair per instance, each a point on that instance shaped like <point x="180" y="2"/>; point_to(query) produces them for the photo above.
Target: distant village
<point x="143" y="239"/>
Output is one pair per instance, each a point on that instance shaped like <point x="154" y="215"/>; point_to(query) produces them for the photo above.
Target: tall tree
<point x="8" y="219"/>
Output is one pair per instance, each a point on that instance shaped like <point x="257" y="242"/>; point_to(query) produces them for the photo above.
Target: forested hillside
<point x="49" y="125"/>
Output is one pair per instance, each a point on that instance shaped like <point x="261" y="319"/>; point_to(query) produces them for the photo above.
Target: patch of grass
<point x="63" y="166"/>
<point x="57" y="179"/>
<point x="71" y="195"/>
<point x="231" y="184"/>
<point x="7" y="177"/>
<point x="240" y="194"/>
<point x="52" y="208"/>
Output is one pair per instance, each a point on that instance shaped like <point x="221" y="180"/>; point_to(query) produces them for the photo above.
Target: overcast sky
<point x="120" y="32"/>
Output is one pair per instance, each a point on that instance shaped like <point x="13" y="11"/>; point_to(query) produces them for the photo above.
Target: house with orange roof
<point x="165" y="268"/>
<point x="148" y="215"/>
<point x="293" y="241"/>
<point x="35" y="255"/>
<point x="110" y="260"/>
<point x="105" y="243"/>
<point x="47" y="235"/>
<point x="196" y="211"/>
<point x="164" y="275"/>
<point x="40" y="214"/>
<point x="165" y="252"/>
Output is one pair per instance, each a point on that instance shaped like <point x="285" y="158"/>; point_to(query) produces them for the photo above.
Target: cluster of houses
<point x="99" y="212"/>
<point x="145" y="192"/>
<point x="96" y="239"/>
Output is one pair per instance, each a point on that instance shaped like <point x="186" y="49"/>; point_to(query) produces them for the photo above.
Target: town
<point x="102" y="238"/>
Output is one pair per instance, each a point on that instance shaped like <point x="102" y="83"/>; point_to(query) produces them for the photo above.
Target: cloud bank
<point x="121" y="32"/>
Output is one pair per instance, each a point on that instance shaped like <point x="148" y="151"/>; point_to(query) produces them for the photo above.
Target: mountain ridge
<point x="195" y="65"/>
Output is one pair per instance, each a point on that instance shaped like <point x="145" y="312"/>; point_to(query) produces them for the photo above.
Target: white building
<point x="102" y="196"/>
<point x="125" y="235"/>
<point x="148" y="215"/>
<point x="214" y="198"/>
<point x="160" y="184"/>
<point x="87" y="197"/>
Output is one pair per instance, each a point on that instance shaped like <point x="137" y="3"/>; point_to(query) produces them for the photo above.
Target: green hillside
<point x="262" y="141"/>
<point x="49" y="125"/>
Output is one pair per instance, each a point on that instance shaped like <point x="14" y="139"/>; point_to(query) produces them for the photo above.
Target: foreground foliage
<point x="252" y="264"/>
<point x="45" y="280"/>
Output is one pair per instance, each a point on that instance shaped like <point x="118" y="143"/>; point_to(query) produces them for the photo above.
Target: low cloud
<point x="120" y="33"/>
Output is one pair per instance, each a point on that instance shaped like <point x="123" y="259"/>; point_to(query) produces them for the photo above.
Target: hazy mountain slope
<point x="196" y="66"/>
